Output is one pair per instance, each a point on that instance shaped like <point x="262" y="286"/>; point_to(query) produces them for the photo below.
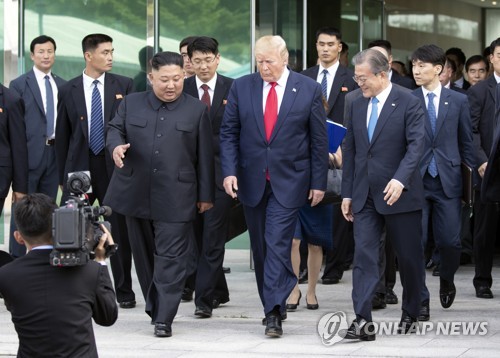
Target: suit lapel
<point x="256" y="93"/>
<point x="427" y="124"/>
<point x="291" y="91"/>
<point x="336" y="86"/>
<point x="443" y="109"/>
<point x="35" y="90"/>
<point x="109" y="97"/>
<point x="389" y="106"/>
<point x="219" y="91"/>
<point x="78" y="95"/>
<point x="359" y="113"/>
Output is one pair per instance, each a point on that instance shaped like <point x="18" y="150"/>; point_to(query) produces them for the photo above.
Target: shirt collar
<point x="39" y="74"/>
<point x="436" y="91"/>
<point x="42" y="247"/>
<point x="282" y="80"/>
<point x="156" y="103"/>
<point x="382" y="96"/>
<point x="497" y="77"/>
<point x="210" y="84"/>
<point x="88" y="81"/>
<point x="332" y="70"/>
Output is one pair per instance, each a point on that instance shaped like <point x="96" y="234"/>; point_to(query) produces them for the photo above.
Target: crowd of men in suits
<point x="171" y="160"/>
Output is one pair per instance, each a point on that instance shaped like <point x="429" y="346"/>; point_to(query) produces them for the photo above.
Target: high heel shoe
<point x="293" y="306"/>
<point x="313" y="306"/>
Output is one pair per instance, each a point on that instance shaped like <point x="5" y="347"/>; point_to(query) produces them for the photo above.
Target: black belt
<point x="50" y="141"/>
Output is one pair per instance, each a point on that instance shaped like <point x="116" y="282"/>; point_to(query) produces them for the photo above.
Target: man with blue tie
<point x="448" y="143"/>
<point x="381" y="186"/>
<point x="86" y="104"/>
<point x="38" y="88"/>
<point x="274" y="157"/>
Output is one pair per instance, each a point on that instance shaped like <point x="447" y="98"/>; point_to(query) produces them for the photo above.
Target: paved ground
<point x="235" y="329"/>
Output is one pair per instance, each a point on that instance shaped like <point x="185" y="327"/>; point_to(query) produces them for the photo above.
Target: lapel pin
<point x="294" y="90"/>
<point x="119" y="96"/>
<point x="344" y="89"/>
<point x="445" y="103"/>
<point x="224" y="102"/>
<point x="393" y="104"/>
<point x="1" y="110"/>
<point x="81" y="118"/>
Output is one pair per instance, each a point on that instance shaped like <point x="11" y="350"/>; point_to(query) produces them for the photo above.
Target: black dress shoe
<point x="303" y="276"/>
<point x="436" y="271"/>
<point x="447" y="292"/>
<point x="361" y="329"/>
<point x="312" y="306"/>
<point x="283" y="318"/>
<point x="330" y="281"/>
<point x="293" y="306"/>
<point x="127" y="304"/>
<point x="378" y="301"/>
<point x="390" y="297"/>
<point x="219" y="301"/>
<point x="202" y="312"/>
<point x="484" y="292"/>
<point x="273" y="325"/>
<point x="424" y="314"/>
<point x="226" y="269"/>
<point x="187" y="294"/>
<point x="163" y="330"/>
<point x="407" y="324"/>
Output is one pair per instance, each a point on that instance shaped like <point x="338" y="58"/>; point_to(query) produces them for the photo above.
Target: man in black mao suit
<point x="274" y="156"/>
<point x="52" y="307"/>
<point x="448" y="143"/>
<point x="484" y="101"/>
<point x="80" y="145"/>
<point x="13" y="148"/>
<point x="382" y="186"/>
<point x="339" y="84"/>
<point x="161" y="143"/>
<point x="211" y="227"/>
<point x="32" y="88"/>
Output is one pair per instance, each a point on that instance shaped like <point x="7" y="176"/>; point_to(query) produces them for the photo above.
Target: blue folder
<point x="336" y="134"/>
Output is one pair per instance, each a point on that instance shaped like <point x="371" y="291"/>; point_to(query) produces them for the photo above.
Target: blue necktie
<point x="96" y="122"/>
<point x="49" y="111"/>
<point x="431" y="111"/>
<point x="324" y="85"/>
<point x="373" y="118"/>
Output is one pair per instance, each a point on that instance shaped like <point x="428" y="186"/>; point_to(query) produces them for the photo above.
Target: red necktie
<point x="271" y="111"/>
<point x="206" y="96"/>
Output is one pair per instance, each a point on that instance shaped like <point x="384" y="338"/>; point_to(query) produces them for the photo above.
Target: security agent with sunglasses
<point x="52" y="307"/>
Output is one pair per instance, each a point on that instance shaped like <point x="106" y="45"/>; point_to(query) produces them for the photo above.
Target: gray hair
<point x="377" y="61"/>
<point x="269" y="42"/>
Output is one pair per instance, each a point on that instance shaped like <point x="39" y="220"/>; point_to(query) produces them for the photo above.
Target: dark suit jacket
<point x="343" y="83"/>
<point x="297" y="152"/>
<point x="13" y="149"/>
<point x="52" y="307"/>
<point x="452" y="143"/>
<point x="402" y="81"/>
<point x="26" y="86"/>
<point x="72" y="143"/>
<point x="394" y="153"/>
<point x="216" y="114"/>
<point x="490" y="187"/>
<point x="169" y="165"/>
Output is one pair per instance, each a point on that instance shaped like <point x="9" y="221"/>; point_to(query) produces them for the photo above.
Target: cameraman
<point x="51" y="306"/>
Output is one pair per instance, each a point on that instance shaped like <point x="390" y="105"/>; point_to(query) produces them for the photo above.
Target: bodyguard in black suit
<point x="80" y="144"/>
<point x="13" y="149"/>
<point x="448" y="143"/>
<point x="161" y="143"/>
<point x="339" y="83"/>
<point x="211" y="227"/>
<point x="382" y="186"/>
<point x="38" y="88"/>
<point x="52" y="307"/>
<point x="484" y="101"/>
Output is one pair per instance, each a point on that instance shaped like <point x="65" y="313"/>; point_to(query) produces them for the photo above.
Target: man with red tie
<point x="274" y="157"/>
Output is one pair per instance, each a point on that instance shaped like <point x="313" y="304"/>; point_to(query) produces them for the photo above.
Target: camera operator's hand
<point x="119" y="154"/>
<point x="100" y="251"/>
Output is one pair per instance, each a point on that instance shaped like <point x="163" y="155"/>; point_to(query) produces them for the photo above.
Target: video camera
<point x="76" y="227"/>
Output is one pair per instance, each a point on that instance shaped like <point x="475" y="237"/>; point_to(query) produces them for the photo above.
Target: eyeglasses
<point x="207" y="61"/>
<point x="361" y="80"/>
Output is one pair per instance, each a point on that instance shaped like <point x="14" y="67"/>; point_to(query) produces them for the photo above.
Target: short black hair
<point x="460" y="55"/>
<point x="41" y="40"/>
<point x="494" y="44"/>
<point x="92" y="41"/>
<point x="329" y="30"/>
<point x="476" y="59"/>
<point x="33" y="217"/>
<point x="451" y="64"/>
<point x="386" y="45"/>
<point x="186" y="41"/>
<point x="166" y="58"/>
<point x="429" y="54"/>
<point x="203" y="44"/>
<point x="145" y="53"/>
<point x="345" y="47"/>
